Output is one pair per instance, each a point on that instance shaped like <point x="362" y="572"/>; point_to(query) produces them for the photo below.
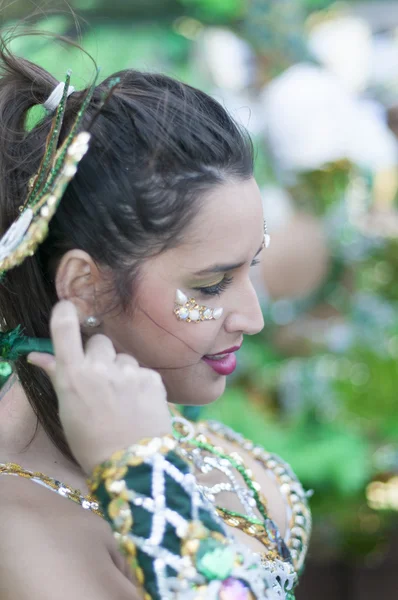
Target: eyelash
<point x="218" y="288"/>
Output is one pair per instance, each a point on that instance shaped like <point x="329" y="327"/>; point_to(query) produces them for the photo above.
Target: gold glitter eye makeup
<point x="217" y="288"/>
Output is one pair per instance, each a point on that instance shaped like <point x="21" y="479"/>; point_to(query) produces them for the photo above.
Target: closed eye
<point x="216" y="289"/>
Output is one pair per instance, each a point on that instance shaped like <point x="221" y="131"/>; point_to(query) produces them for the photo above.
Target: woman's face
<point x="213" y="266"/>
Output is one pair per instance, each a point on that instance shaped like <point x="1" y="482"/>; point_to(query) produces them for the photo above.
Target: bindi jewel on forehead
<point x="188" y="310"/>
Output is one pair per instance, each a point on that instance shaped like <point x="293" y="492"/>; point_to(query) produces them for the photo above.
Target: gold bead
<point x="118" y="455"/>
<point x="191" y="546"/>
<point x="115" y="507"/>
<point x="140" y="575"/>
<point x="129" y="547"/>
<point x="134" y="461"/>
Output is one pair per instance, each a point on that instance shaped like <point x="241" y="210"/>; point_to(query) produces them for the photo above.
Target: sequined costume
<point x="166" y="517"/>
<point x="172" y="529"/>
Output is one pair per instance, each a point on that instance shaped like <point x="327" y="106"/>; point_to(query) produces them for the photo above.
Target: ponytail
<point x="27" y="295"/>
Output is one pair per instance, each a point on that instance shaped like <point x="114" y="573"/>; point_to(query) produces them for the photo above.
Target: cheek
<point x="157" y="339"/>
<point x="190" y="340"/>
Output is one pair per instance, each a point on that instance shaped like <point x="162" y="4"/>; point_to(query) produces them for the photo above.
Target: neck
<point x="22" y="439"/>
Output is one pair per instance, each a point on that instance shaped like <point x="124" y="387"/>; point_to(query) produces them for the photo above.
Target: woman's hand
<point x="106" y="400"/>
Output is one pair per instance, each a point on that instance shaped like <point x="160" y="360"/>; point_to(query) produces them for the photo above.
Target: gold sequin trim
<point x="87" y="502"/>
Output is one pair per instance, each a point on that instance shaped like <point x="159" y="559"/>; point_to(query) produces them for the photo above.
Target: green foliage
<point x="370" y="393"/>
<point x="215" y="11"/>
<point x="327" y="456"/>
<point x="380" y="274"/>
<point x="311" y="5"/>
<point x="146" y="46"/>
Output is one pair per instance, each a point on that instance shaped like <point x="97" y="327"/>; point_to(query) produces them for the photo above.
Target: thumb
<point x="43" y="361"/>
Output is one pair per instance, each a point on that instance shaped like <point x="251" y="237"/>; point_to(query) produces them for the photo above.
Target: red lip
<point x="222" y="366"/>
<point x="233" y="349"/>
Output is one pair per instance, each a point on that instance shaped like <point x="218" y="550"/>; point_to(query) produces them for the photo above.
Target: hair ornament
<point x="188" y="310"/>
<point x="14" y="344"/>
<point x="31" y="227"/>
<point x="55" y="97"/>
<point x="46" y="188"/>
<point x="45" y="191"/>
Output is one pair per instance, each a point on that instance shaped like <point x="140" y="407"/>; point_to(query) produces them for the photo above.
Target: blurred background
<point x="316" y="83"/>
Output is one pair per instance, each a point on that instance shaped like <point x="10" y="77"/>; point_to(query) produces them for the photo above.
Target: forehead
<point x="231" y="213"/>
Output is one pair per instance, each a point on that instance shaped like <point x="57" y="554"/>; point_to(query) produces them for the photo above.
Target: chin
<point x="198" y="397"/>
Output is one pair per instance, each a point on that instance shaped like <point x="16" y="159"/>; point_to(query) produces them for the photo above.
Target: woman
<point x="150" y="253"/>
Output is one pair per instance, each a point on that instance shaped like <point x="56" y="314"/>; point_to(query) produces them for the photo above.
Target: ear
<point x="78" y="279"/>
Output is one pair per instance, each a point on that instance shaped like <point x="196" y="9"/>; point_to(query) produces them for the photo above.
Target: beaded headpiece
<point x="45" y="191"/>
<point x="46" y="188"/>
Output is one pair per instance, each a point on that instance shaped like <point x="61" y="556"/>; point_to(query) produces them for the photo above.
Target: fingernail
<point x="31" y="357"/>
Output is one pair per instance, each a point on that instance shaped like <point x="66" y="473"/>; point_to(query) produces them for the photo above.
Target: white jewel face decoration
<point x="187" y="309"/>
<point x="15" y="234"/>
<point x="267" y="237"/>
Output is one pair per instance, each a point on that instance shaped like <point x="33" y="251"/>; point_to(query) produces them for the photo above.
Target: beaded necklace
<point x="263" y="529"/>
<point x="296" y="499"/>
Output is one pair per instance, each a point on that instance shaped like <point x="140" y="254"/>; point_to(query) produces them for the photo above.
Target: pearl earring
<point x="91" y="322"/>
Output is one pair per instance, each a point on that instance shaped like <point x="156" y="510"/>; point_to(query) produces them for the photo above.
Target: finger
<point x="65" y="333"/>
<point x="44" y="361"/>
<point x="99" y="348"/>
<point x="126" y="360"/>
<point x="127" y="364"/>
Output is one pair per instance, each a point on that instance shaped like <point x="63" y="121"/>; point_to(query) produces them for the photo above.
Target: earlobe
<point x="76" y="279"/>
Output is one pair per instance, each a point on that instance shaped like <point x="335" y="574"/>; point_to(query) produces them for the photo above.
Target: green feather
<point x="9" y="342"/>
<point x="65" y="146"/>
<point x="14" y="344"/>
<point x="51" y="146"/>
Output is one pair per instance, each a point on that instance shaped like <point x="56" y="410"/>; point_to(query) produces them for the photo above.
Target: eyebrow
<point x="222" y="268"/>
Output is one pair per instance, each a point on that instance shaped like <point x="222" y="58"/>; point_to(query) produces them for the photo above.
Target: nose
<point x="247" y="316"/>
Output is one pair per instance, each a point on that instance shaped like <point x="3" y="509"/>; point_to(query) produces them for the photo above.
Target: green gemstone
<point x="214" y="560"/>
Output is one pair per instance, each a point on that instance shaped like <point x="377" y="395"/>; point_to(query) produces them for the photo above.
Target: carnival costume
<point x="168" y="523"/>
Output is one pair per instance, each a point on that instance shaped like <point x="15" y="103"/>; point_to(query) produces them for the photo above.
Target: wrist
<point x="95" y="449"/>
<point x="132" y="455"/>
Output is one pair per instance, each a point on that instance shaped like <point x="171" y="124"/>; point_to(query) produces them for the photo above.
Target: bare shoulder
<point x="50" y="547"/>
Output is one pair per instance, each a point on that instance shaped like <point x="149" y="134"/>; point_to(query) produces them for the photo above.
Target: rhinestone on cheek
<point x="189" y="310"/>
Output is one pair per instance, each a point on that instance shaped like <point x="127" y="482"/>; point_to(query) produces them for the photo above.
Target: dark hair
<point x="157" y="146"/>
